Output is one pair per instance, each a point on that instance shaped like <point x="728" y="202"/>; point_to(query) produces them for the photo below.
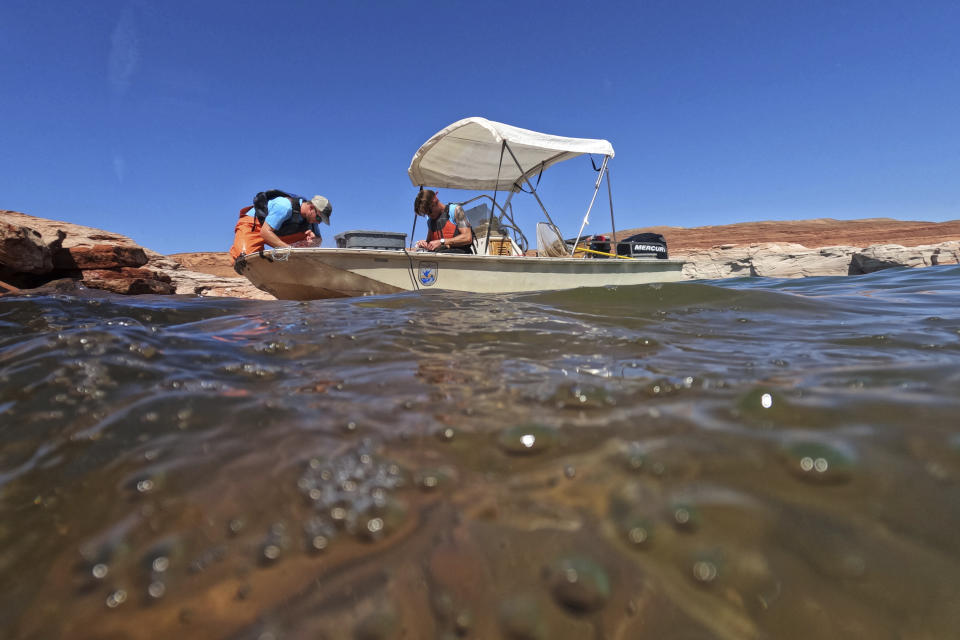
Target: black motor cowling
<point x="643" y="245"/>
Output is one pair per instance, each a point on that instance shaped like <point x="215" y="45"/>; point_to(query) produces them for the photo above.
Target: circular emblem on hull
<point x="427" y="273"/>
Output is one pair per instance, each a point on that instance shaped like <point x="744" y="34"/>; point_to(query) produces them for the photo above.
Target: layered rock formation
<point x="791" y="260"/>
<point x="799" y="248"/>
<point x="35" y="251"/>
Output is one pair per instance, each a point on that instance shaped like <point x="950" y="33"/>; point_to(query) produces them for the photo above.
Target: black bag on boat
<point x="643" y="245"/>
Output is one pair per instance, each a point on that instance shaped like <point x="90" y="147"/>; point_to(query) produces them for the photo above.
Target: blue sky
<point x="159" y="120"/>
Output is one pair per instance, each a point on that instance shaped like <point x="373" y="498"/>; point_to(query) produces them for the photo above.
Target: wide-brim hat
<point x="324" y="208"/>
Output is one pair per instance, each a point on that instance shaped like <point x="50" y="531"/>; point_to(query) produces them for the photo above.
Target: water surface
<point x="748" y="458"/>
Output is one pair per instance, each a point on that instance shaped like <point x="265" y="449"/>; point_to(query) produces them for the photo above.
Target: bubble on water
<point x="581" y="397"/>
<point x="569" y="471"/>
<point x="685" y="517"/>
<point x="521" y="618"/>
<point x="273" y="545"/>
<point x="160" y="564"/>
<point x="633" y="456"/>
<point x="527" y="439"/>
<point x="156" y="589"/>
<point x="579" y="584"/>
<point x="116" y="598"/>
<point x="820" y="462"/>
<point x="446" y="435"/>
<point x="375" y="522"/>
<point x="235" y="526"/>
<point x="271" y="552"/>
<point x="706" y="566"/>
<point x="352" y="493"/>
<point x="764" y="404"/>
<point x="100" y="571"/>
<point x="318" y="534"/>
<point x="667" y="387"/>
<point x="430" y="479"/>
<point x="145" y="486"/>
<point x="639" y="534"/>
<point x="704" y="571"/>
<point x="633" y="510"/>
<point x="463" y="622"/>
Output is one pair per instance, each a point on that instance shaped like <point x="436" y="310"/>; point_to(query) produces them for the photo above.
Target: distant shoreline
<point x="35" y="251"/>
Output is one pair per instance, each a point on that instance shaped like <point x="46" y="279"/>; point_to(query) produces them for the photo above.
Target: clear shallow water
<point x="737" y="459"/>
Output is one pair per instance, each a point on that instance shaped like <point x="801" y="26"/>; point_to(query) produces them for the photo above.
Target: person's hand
<point x="309" y="235"/>
<point x="433" y="245"/>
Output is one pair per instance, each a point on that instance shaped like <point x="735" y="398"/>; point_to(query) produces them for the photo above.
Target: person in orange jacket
<point x="278" y="219"/>
<point x="447" y="226"/>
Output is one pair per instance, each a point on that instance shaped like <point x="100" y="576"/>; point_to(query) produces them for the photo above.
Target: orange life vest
<point x="247" y="238"/>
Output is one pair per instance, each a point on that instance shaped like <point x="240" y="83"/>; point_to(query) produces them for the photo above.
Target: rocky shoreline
<point x="819" y="247"/>
<point x="37" y="252"/>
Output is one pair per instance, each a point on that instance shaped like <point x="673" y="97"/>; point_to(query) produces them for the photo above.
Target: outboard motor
<point x="643" y="245"/>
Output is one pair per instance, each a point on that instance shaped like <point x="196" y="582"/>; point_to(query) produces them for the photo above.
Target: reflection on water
<point x="744" y="459"/>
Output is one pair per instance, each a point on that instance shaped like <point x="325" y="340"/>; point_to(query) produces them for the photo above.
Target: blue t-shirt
<point x="280" y="212"/>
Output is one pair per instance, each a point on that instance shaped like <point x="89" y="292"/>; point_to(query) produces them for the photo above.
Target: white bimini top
<point x="467" y="155"/>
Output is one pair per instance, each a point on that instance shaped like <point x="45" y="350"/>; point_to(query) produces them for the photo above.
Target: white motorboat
<point x="473" y="154"/>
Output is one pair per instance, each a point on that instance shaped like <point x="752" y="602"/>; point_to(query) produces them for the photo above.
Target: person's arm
<point x="464" y="231"/>
<point x="278" y="211"/>
<point x="270" y="236"/>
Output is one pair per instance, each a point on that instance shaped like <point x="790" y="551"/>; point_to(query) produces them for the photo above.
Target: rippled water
<point x="738" y="459"/>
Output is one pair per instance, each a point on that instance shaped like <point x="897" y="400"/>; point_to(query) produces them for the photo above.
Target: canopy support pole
<point x="506" y="203"/>
<point x="486" y="241"/>
<point x="596" y="188"/>
<point x="533" y="189"/>
<point x="613" y="226"/>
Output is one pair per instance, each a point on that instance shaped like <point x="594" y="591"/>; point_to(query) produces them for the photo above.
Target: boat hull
<point x="313" y="273"/>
